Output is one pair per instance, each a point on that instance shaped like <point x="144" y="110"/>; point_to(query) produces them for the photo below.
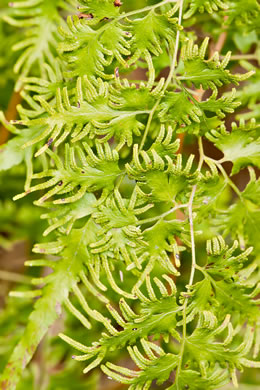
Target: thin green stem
<point x="135" y="12"/>
<point x="193" y="263"/>
<point x="152" y="219"/>
<point x="145" y="9"/>
<point x="168" y="81"/>
<point x="172" y="85"/>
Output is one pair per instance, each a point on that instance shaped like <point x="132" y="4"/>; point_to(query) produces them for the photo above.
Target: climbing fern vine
<point x="152" y="246"/>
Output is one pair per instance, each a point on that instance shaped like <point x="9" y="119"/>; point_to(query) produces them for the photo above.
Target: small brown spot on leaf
<point x="58" y="309"/>
<point x="86" y="16"/>
<point x="117" y="3"/>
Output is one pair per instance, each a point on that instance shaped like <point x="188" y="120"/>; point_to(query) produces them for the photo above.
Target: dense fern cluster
<point x="154" y="250"/>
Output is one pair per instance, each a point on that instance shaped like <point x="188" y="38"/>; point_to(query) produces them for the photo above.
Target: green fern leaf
<point x="94" y="113"/>
<point x="41" y="41"/>
<point x="94" y="173"/>
<point x="177" y="108"/>
<point x="99" y="9"/>
<point x="154" y="368"/>
<point x="209" y="73"/>
<point x="211" y="6"/>
<point x="89" y="51"/>
<point x="150" y="32"/>
<point x="48" y="307"/>
<point x="244" y="14"/>
<point x="241" y="146"/>
<point x="135" y="327"/>
<point x="12" y="154"/>
<point x="193" y="380"/>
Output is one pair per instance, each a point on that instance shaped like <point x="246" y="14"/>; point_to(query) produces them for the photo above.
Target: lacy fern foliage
<point x="147" y="247"/>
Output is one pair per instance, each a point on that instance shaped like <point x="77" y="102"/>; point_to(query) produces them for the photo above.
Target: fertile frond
<point x="62" y="217"/>
<point x="81" y="173"/>
<point x="244" y="13"/>
<point x="166" y="181"/>
<point x="223" y="283"/>
<point x="89" y="51"/>
<point x="177" y="108"/>
<point x="156" y="366"/>
<point x="44" y="88"/>
<point x="149" y="33"/>
<point x="203" y="348"/>
<point x="91" y="112"/>
<point x="48" y="307"/>
<point x="193" y="380"/>
<point x="209" y="73"/>
<point x="97" y="266"/>
<point x="222" y="106"/>
<point x="148" y="322"/>
<point x="242" y="222"/>
<point x="41" y="18"/>
<point x="185" y="112"/>
<point x="210" y="6"/>
<point x="221" y="261"/>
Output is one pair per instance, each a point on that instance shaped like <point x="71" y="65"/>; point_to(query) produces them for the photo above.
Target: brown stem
<point x="10" y="113"/>
<point x="220" y="42"/>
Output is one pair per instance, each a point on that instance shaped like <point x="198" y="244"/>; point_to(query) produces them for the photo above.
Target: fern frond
<point x="63" y="217"/>
<point x="167" y="181"/>
<point x="210" y="6"/>
<point x="219" y="287"/>
<point x="147" y="322"/>
<point x="41" y="19"/>
<point x="217" y="379"/>
<point x="74" y="179"/>
<point x="241" y="145"/>
<point x="244" y="14"/>
<point x="127" y="202"/>
<point x="150" y="32"/>
<point x="89" y="51"/>
<point x="177" y="108"/>
<point x="222" y="106"/>
<point x="47" y="308"/>
<point x="209" y="73"/>
<point x="213" y="351"/>
<point x="99" y="9"/>
<point x="154" y="367"/>
<point x="44" y="88"/>
<point x="91" y="112"/>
